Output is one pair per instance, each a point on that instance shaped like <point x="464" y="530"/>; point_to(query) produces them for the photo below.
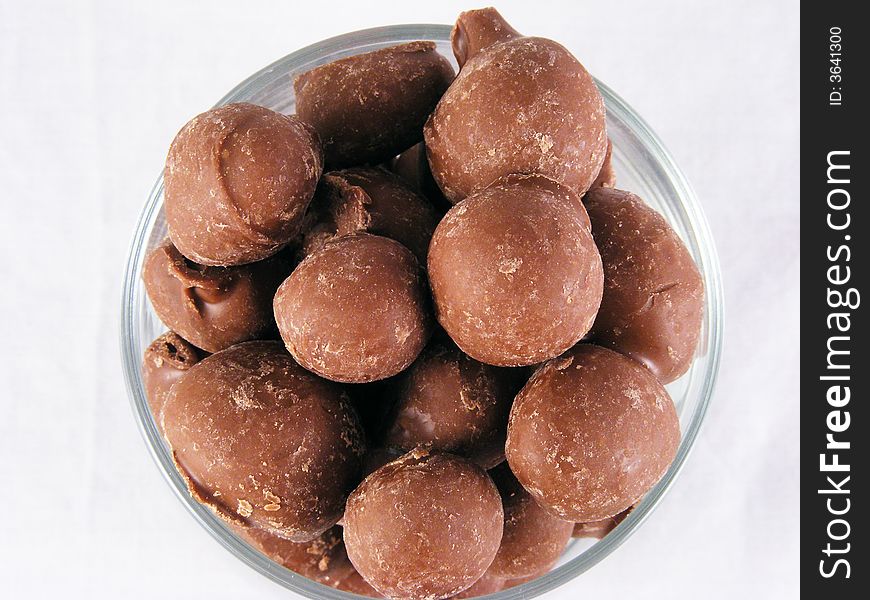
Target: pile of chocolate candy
<point x="418" y="338"/>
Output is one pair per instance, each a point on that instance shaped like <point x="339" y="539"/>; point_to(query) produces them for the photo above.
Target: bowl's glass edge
<point x="709" y="267"/>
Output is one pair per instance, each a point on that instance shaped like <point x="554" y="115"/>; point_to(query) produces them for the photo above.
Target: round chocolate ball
<point x="514" y="272"/>
<point x="238" y="179"/>
<point x="373" y="200"/>
<point x="590" y="433"/>
<point x="449" y="401"/>
<point x="213" y="307"/>
<point x="653" y="301"/>
<point x="427" y="525"/>
<point x="356" y="310"/>
<point x="322" y="559"/>
<point x="263" y="442"/>
<point x="369" y="107"/>
<point x="549" y="117"/>
<point x="533" y="538"/>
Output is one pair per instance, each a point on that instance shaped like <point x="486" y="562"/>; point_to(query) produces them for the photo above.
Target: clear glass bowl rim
<point x="700" y="238"/>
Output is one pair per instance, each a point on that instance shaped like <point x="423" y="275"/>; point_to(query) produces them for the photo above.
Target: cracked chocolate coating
<point x="518" y="105"/>
<point x="213" y="307"/>
<point x="263" y="442"/>
<point x="238" y="180"/>
<point x="533" y="538"/>
<point x="356" y="310"/>
<point x="426" y="526"/>
<point x="449" y="401"/>
<point x="515" y="274"/>
<point x="590" y="433"/>
<point x="370" y="107"/>
<point x="372" y="200"/>
<point x="653" y="299"/>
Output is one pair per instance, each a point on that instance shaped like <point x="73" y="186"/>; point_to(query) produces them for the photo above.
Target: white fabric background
<point x="92" y="92"/>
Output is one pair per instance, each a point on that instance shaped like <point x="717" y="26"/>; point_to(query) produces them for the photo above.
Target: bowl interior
<point x="642" y="166"/>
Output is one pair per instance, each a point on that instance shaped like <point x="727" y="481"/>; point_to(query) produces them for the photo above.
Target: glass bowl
<point x="642" y="166"/>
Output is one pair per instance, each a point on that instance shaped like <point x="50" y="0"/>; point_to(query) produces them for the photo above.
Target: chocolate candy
<point x="533" y="539"/>
<point x="323" y="559"/>
<point x="427" y="525"/>
<point x="263" y="442"/>
<point x="369" y="107"/>
<point x="238" y="180"/>
<point x="356" y="310"/>
<point x="514" y="272"/>
<point x="590" y="433"/>
<point x="165" y="360"/>
<point x="449" y="401"/>
<point x="653" y="299"/>
<point x="606" y="176"/>
<point x="518" y="105"/>
<point x="413" y="167"/>
<point x="213" y="307"/>
<point x="372" y="200"/>
<point x="598" y="529"/>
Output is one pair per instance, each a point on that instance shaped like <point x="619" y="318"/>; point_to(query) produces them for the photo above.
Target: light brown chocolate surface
<point x="355" y="311"/>
<point x="653" y="299"/>
<point x="263" y="442"/>
<point x="515" y="274"/>
<point x="590" y="433"/>
<point x="370" y="107"/>
<point x="426" y="526"/>
<point x="238" y="179"/>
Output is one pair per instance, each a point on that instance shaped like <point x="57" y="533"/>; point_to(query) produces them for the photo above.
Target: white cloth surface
<point x="91" y="94"/>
